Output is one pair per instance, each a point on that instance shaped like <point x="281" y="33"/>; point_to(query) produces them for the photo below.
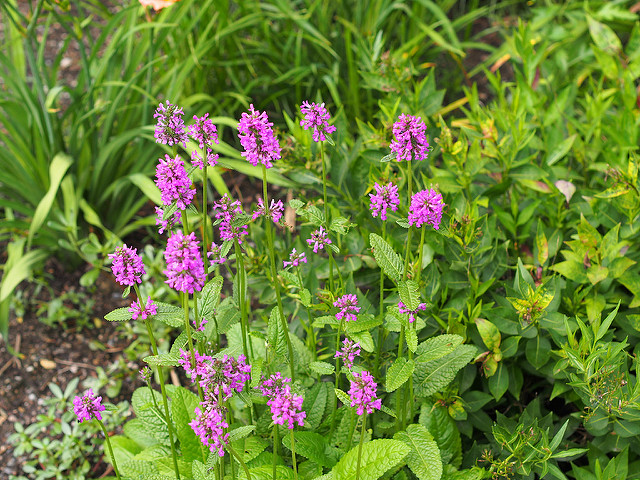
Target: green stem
<point x="409" y="195"/>
<point x="335" y="397"/>
<point x="113" y="458"/>
<point x="324" y="185"/>
<point x="242" y="464"/>
<point x="310" y="330"/>
<point x="364" y="426"/>
<point x="400" y="394"/>
<point x="381" y="313"/>
<point x="293" y="456"/>
<point x="274" y="276"/>
<point x="275" y="450"/>
<point x="205" y="245"/>
<point x="241" y="294"/>
<point x="420" y="249"/>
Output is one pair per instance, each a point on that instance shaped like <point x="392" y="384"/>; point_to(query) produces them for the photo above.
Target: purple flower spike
<point x="185" y="269"/>
<point x="410" y="142"/>
<point x="348" y="305"/>
<point x="137" y="310"/>
<point x="286" y="407"/>
<point x="412" y="313"/>
<point x="319" y="239"/>
<point x="274" y="385"/>
<point x="170" y="128"/>
<point x="363" y="393"/>
<point x="386" y="196"/>
<point x="205" y="132"/>
<point x="426" y="207"/>
<point x="227" y="210"/>
<point x="295" y="259"/>
<point x="209" y="425"/>
<point x="174" y="183"/>
<point x="276" y="210"/>
<point x="348" y="353"/>
<point x="215" y="254"/>
<point x="87" y="406"/>
<point x="127" y="265"/>
<point x="200" y="328"/>
<point x="317" y="118"/>
<point x="257" y="138"/>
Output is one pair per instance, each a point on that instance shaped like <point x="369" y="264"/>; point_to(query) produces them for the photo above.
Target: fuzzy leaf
<point x="169" y="314"/>
<point x="163" y="359"/>
<point x="432" y="376"/>
<point x="183" y="407"/>
<point x="378" y="456"/>
<point x="311" y="445"/>
<point x="437" y="347"/>
<point x="210" y="297"/>
<point x="400" y="372"/>
<point x="445" y="431"/>
<point x="322" y="368"/>
<point x="314" y="404"/>
<point x="145" y="410"/>
<point x="409" y="294"/>
<point x="424" y="457"/>
<point x="241" y="432"/>
<point x="276" y="334"/>
<point x="118" y="315"/>
<point x="388" y="260"/>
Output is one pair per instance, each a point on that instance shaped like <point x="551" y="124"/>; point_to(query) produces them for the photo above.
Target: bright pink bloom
<point x="209" y="425"/>
<point x="386" y="196"/>
<point x="87" y="406"/>
<point x="410" y="140"/>
<point x="348" y="353"/>
<point x="286" y="407"/>
<point x="317" y="118"/>
<point x="205" y="132"/>
<point x="257" y="138"/>
<point x="276" y="210"/>
<point x="137" y="310"/>
<point x="185" y="269"/>
<point x="426" y="207"/>
<point x="174" y="183"/>
<point x="319" y="239"/>
<point x="412" y="313"/>
<point x="127" y="265"/>
<point x="348" y="305"/>
<point x="363" y="393"/>
<point x="170" y="128"/>
<point x="295" y="259"/>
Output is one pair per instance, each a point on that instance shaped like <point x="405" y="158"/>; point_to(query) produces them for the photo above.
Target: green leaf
<point x="388" y="260"/>
<point x="378" y="456"/>
<point x="431" y="377"/>
<point x="145" y="409"/>
<point x="147" y="186"/>
<point x="19" y="271"/>
<point x="169" y="314"/>
<point x="276" y="335"/>
<point x="183" y="406"/>
<point x="538" y="351"/>
<point x="409" y="294"/>
<point x="604" y="37"/>
<point x="557" y="438"/>
<point x="437" y="347"/>
<point x="400" y="372"/>
<point x="542" y="244"/>
<point x="444" y="430"/>
<point x="58" y="168"/>
<point x="118" y="315"/>
<point x="604" y="326"/>
<point x="163" y="360"/>
<point x="489" y="333"/>
<point x="322" y="368"/>
<point x="561" y="150"/>
<point x="210" y="297"/>
<point x="424" y="458"/>
<point x="499" y="383"/>
<point x="241" y="432"/>
<point x="364" y="339"/>
<point x="315" y="402"/>
<point x="311" y="445"/>
<point x="412" y="339"/>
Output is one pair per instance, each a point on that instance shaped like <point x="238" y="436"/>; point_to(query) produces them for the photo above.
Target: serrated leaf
<point x="136" y="430"/>
<point x="169" y="314"/>
<point x="200" y="472"/>
<point x="276" y="335"/>
<point x="437" y="347"/>
<point x="210" y="297"/>
<point x="183" y="407"/>
<point x="400" y="372"/>
<point x="311" y="445"/>
<point x="118" y="315"/>
<point x="412" y="339"/>
<point x="364" y="339"/>
<point x="342" y="396"/>
<point x="241" y="432"/>
<point x="322" y="368"/>
<point x="163" y="359"/>
<point x="365" y="321"/>
<point x="409" y="294"/>
<point x="305" y="297"/>
<point x="431" y="377"/>
<point x="378" y="456"/>
<point x="315" y="402"/>
<point x="388" y="260"/>
<point x="179" y="343"/>
<point x="424" y="458"/>
<point x="153" y="420"/>
<point x="445" y="431"/>
<point x="265" y="472"/>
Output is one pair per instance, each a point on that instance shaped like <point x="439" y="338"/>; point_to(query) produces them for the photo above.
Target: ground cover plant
<point x="446" y="292"/>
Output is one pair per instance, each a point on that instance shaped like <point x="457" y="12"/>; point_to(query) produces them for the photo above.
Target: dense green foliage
<point x="525" y="363"/>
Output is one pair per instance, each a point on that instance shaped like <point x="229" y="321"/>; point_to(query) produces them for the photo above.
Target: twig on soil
<point x="77" y="364"/>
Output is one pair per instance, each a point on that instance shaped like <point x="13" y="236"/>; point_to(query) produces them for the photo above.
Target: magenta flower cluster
<point x="209" y="425"/>
<point x="285" y="405"/>
<point x="127" y="265"/>
<point x="317" y="118"/>
<point x="426" y="207"/>
<point x="174" y="183"/>
<point x="257" y="138"/>
<point x="87" y="406"/>
<point x="295" y="259"/>
<point x="200" y="328"/>
<point x="215" y="255"/>
<point x="319" y="239"/>
<point x="205" y="132"/>
<point x="168" y="223"/>
<point x="412" y="313"/>
<point x="386" y="196"/>
<point x="170" y="128"/>
<point x="227" y="210"/>
<point x="185" y="269"/>
<point x="137" y="310"/>
<point x="363" y="393"/>
<point x="348" y="305"/>
<point x="410" y="138"/>
<point x="348" y="353"/>
<point x="276" y="210"/>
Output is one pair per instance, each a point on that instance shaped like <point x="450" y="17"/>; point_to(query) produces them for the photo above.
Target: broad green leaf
<point x="364" y="339"/>
<point x="561" y="150"/>
<point x="169" y="314"/>
<point x="153" y="419"/>
<point x="311" y="445"/>
<point x="400" y="372"/>
<point x="265" y="472"/>
<point x="19" y="271"/>
<point x="136" y="430"/>
<point x="241" y="432"/>
<point x="542" y="244"/>
<point x="146" y="186"/>
<point x="489" y="333"/>
<point x="183" y="407"/>
<point x="58" y="168"/>
<point x="499" y="383"/>
<point x="378" y="456"/>
<point x="412" y="339"/>
<point x="200" y="472"/>
<point x="409" y="294"/>
<point x="424" y="458"/>
<point x="118" y="315"/>
<point x="163" y="359"/>
<point x="431" y="377"/>
<point x="604" y="37"/>
<point x="444" y="431"/>
<point x="210" y="297"/>
<point x="437" y="347"/>
<point x="538" y="351"/>
<point x="388" y="260"/>
<point x="322" y="368"/>
<point x="276" y="334"/>
<point x="604" y="326"/>
<point x="315" y="402"/>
